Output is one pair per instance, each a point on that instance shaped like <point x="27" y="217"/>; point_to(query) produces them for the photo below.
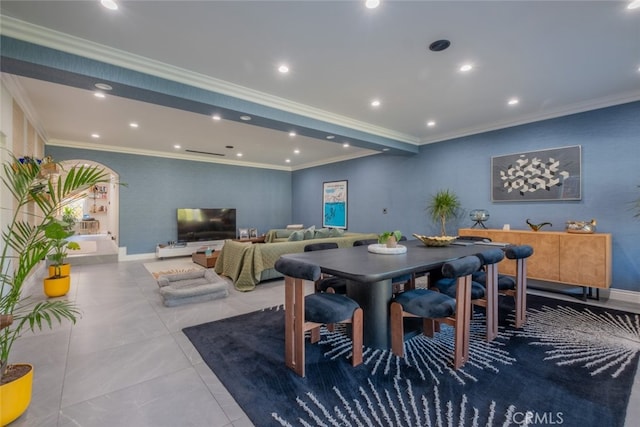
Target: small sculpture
<point x="536" y="227"/>
<point x="581" y="226"/>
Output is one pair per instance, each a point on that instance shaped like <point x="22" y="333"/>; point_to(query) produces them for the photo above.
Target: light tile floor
<point x="127" y="363"/>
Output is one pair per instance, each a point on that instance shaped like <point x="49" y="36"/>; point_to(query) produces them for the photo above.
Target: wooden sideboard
<point x="570" y="258"/>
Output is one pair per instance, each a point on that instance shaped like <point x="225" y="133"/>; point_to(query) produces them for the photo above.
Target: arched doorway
<point x="96" y="214"/>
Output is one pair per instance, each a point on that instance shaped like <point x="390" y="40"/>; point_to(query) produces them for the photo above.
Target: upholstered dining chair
<point x="436" y="307"/>
<point x="488" y="274"/>
<point x="327" y="283"/>
<point x="309" y="313"/>
<point x="515" y="287"/>
<point x="401" y="283"/>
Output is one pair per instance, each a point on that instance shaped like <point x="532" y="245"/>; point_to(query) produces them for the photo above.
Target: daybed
<point x="248" y="264"/>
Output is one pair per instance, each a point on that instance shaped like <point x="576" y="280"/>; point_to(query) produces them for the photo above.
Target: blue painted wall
<point x="610" y="140"/>
<point x="156" y="187"/>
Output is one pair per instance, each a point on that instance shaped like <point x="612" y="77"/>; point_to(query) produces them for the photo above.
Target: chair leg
<point x="491" y="308"/>
<point x="315" y="335"/>
<point x="294" y="324"/>
<point x="462" y="323"/>
<point x="356" y="337"/>
<point x="521" y="292"/>
<point x="397" y="330"/>
<point x="429" y="327"/>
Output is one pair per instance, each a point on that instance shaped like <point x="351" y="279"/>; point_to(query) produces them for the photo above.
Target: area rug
<point x="571" y="365"/>
<point x="171" y="266"/>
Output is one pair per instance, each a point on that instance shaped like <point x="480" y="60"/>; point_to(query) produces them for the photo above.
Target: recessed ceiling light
<point x="239" y="154"/>
<point x="103" y="86"/>
<point x="296" y="151"/>
<point x="245" y="118"/>
<point x="375" y="103"/>
<point x="431" y="123"/>
<point x="288" y="160"/>
<point x="371" y="4"/>
<point x="99" y="95"/>
<point x="177" y="146"/>
<point x="466" y="67"/>
<point x="634" y="4"/>
<point x="385" y="149"/>
<point x="133" y="125"/>
<point x="109" y="4"/>
<point x="283" y="68"/>
<point x="216" y="117"/>
<point x="95" y="135"/>
<point x="292" y="133"/>
<point x="330" y="136"/>
<point x="345" y="145"/>
<point x="513" y="101"/>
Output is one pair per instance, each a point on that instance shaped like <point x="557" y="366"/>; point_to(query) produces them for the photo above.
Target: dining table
<point x="369" y="274"/>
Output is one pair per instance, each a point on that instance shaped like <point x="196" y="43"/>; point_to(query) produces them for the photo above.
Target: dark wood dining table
<point x="369" y="277"/>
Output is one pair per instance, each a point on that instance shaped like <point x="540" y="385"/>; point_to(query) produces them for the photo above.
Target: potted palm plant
<point x="58" y="282"/>
<point x="24" y="246"/>
<point x="443" y="206"/>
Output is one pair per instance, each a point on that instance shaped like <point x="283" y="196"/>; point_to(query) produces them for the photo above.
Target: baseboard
<point x="122" y="255"/>
<point x="624" y="295"/>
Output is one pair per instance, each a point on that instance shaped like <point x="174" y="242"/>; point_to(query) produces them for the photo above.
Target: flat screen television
<point x="198" y="224"/>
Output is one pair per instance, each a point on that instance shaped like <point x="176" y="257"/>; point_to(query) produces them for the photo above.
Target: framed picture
<point x="243" y="233"/>
<point x="253" y="233"/>
<point x="334" y="204"/>
<point x="544" y="175"/>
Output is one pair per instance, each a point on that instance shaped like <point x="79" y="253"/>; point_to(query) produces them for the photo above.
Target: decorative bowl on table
<point x="435" y="240"/>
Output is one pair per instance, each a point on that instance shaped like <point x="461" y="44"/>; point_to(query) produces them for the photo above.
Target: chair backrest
<point x="365" y="242"/>
<point x="320" y="246"/>
<point x="491" y="256"/>
<point x="518" y="252"/>
<point x="461" y="267"/>
<point x="298" y="269"/>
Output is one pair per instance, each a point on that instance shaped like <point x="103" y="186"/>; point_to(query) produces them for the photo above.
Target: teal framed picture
<point x="334" y="204"/>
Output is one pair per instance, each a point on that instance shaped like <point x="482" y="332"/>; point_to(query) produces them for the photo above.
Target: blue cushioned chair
<point x="438" y="307"/>
<point x="400" y="283"/>
<point x="325" y="283"/>
<point x="488" y="277"/>
<point x="515" y="287"/>
<point x="309" y="313"/>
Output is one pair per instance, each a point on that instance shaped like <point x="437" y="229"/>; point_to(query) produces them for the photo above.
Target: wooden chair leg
<point x="491" y="309"/>
<point x="521" y="293"/>
<point x="356" y="337"/>
<point x="294" y="324"/>
<point x="397" y="329"/>
<point x="429" y="327"/>
<point x="315" y="335"/>
<point x="462" y="323"/>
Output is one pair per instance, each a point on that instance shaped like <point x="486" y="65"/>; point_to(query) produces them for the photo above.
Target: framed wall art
<point x="334" y="204"/>
<point x="545" y="175"/>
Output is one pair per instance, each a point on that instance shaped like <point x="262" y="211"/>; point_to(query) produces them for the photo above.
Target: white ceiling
<point x="556" y="57"/>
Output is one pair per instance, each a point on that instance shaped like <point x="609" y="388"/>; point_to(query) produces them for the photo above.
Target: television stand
<point x="182" y="249"/>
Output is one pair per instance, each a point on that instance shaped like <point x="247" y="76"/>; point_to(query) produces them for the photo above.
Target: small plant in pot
<point x="58" y="282"/>
<point x="443" y="206"/>
<point x="390" y="238"/>
<point x="24" y="246"/>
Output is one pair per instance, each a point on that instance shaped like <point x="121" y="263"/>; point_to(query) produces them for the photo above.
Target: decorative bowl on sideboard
<point x="435" y="240"/>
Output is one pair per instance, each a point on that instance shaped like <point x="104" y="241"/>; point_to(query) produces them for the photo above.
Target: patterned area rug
<point x="171" y="266"/>
<point x="572" y="364"/>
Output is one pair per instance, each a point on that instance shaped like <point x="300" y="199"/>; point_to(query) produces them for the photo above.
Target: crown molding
<point x="46" y="37"/>
<point x="195" y="158"/>
<point x="552" y="114"/>
<point x="19" y="95"/>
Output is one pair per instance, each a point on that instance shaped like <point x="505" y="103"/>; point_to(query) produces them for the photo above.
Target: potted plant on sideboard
<point x="443" y="206"/>
<point x="24" y="246"/>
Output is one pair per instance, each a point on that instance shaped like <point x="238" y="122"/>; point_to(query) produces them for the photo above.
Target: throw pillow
<point x="309" y="232"/>
<point x="296" y="236"/>
<point x="336" y="232"/>
<point x="322" y="233"/>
